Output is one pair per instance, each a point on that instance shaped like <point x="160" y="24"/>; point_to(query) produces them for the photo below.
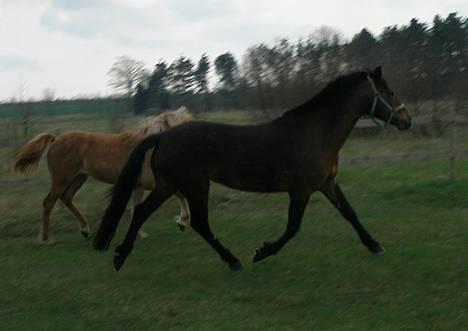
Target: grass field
<point x="324" y="279"/>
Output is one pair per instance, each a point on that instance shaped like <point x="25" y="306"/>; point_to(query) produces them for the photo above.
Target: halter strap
<point x="377" y="98"/>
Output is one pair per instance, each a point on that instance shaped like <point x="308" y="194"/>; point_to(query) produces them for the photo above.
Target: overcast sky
<point x="69" y="45"/>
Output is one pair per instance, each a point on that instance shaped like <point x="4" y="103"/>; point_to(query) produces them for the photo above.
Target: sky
<point x="68" y="46"/>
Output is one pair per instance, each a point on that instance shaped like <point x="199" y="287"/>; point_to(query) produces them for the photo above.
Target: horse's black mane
<point x="333" y="92"/>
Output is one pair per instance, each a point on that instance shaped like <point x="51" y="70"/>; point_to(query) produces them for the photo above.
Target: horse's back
<point x="101" y="155"/>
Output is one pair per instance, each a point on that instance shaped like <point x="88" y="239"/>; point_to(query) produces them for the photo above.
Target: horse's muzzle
<point x="404" y="124"/>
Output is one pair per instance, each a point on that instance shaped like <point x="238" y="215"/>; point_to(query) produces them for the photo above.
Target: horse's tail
<point x="29" y="155"/>
<point x="121" y="193"/>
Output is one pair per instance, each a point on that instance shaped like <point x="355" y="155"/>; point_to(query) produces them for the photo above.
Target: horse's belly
<point x="251" y="187"/>
<point x="108" y="177"/>
<point x="263" y="181"/>
<point x="105" y="168"/>
<point x="108" y="169"/>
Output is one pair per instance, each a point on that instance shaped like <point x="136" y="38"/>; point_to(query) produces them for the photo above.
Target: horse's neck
<point x="335" y="124"/>
<point x="341" y="127"/>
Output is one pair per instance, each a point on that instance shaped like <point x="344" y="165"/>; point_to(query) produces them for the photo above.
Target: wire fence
<point x="432" y="137"/>
<point x="378" y="161"/>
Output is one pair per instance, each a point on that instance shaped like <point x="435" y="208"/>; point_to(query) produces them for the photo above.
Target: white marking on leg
<point x="184" y="216"/>
<point x="143" y="234"/>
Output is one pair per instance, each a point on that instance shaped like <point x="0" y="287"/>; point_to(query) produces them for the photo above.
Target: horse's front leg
<point x="332" y="191"/>
<point x="198" y="204"/>
<point x="297" y="205"/>
<point x="141" y="213"/>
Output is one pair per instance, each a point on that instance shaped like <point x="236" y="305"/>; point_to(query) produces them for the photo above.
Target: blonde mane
<point x="156" y="124"/>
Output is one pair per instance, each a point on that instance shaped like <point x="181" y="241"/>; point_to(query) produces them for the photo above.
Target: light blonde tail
<point x="29" y="155"/>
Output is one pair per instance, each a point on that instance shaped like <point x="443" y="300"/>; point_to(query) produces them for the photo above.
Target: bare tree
<point x="21" y="91"/>
<point x="125" y="75"/>
<point x="256" y="72"/>
<point x="326" y="35"/>
<point x="48" y="94"/>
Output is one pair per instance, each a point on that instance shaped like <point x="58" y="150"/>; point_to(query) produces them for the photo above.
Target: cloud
<point x="189" y="10"/>
<point x="76" y="4"/>
<point x="138" y="24"/>
<point x="10" y="62"/>
<point x="89" y="19"/>
<point x="49" y="41"/>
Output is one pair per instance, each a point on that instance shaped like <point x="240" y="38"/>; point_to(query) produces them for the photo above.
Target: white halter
<point x="377" y="98"/>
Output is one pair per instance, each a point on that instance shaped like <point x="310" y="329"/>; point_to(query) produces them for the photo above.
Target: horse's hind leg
<point x="198" y="204"/>
<point x="332" y="191"/>
<point x="141" y="213"/>
<point x="67" y="198"/>
<point x="297" y="205"/>
<point x="137" y="196"/>
<point x="48" y="204"/>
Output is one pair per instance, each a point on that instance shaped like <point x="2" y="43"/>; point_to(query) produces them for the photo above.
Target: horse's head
<point x="385" y="105"/>
<point x="167" y="120"/>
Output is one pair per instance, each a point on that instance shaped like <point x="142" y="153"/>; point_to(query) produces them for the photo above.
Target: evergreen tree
<point x="201" y="75"/>
<point x="140" y="100"/>
<point x="227" y="70"/>
<point x="158" y="94"/>
<point x="362" y="51"/>
<point x="182" y="76"/>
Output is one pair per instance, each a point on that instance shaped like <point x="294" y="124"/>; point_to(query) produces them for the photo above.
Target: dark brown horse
<point x="295" y="153"/>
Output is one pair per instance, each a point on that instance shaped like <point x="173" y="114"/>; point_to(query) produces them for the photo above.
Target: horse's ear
<point x="378" y="72"/>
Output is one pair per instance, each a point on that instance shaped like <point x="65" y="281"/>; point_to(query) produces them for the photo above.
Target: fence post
<point x="13" y="142"/>
<point x="452" y="156"/>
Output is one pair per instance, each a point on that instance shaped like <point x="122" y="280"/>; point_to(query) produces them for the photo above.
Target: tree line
<point x="423" y="61"/>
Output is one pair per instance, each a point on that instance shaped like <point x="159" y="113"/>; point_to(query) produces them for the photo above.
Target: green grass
<point x="322" y="280"/>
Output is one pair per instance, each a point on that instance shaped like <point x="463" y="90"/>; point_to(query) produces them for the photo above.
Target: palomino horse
<point x="75" y="155"/>
<point x="296" y="153"/>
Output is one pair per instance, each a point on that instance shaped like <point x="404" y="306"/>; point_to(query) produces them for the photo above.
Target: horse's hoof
<point x="259" y="255"/>
<point x="49" y="241"/>
<point x="235" y="265"/>
<point x="46" y="242"/>
<point x="377" y="250"/>
<point x="180" y="222"/>
<point x="121" y="254"/>
<point x="265" y="251"/>
<point x="85" y="231"/>
<point x="119" y="260"/>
